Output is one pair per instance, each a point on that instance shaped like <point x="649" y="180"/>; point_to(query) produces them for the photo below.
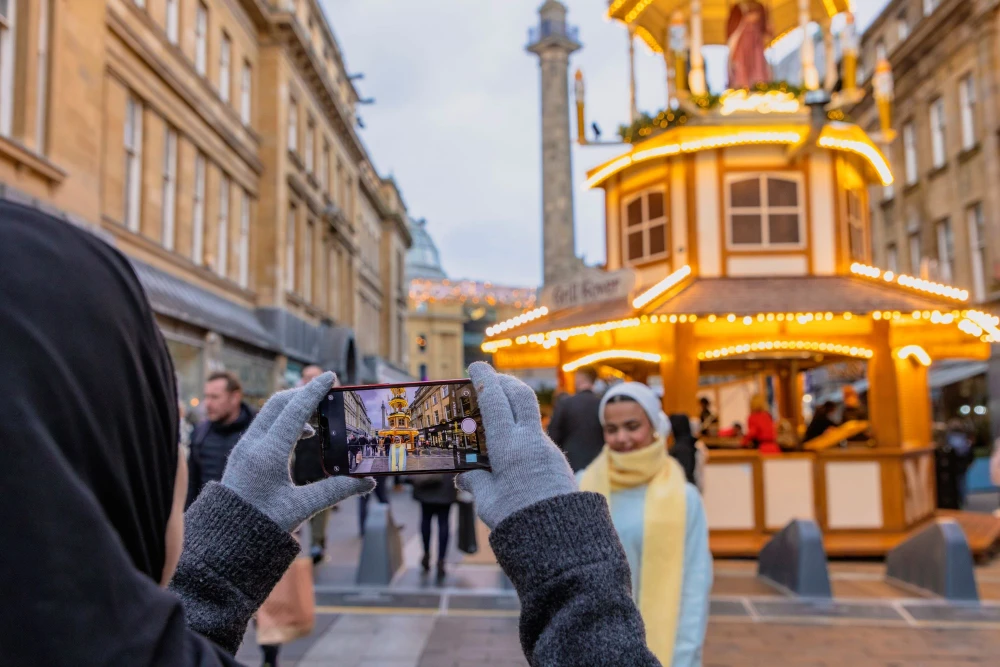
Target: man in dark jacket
<point x="228" y="418"/>
<point x="575" y="425"/>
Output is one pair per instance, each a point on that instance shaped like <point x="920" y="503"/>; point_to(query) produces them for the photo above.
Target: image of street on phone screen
<point x="407" y="429"/>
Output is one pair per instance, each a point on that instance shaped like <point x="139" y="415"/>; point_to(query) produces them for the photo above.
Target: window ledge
<point x="312" y="181"/>
<point x="937" y="171"/>
<point x="25" y="157"/>
<point x="911" y="187"/>
<point x="969" y="153"/>
<point x="294" y="157"/>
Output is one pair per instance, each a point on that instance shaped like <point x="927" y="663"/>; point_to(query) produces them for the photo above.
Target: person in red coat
<point x="760" y="428"/>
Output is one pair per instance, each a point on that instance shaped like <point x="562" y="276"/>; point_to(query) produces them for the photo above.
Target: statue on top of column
<point x="749" y="33"/>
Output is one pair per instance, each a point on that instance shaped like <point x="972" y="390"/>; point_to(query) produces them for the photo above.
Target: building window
<point x="198" y="212"/>
<point x="290" y="249"/>
<point x="307" y="260"/>
<point x="7" y="52"/>
<point x="293" y="125"/>
<point x="169" y="197"/>
<point x="881" y="53"/>
<point x="41" y="94"/>
<point x="938" y="151"/>
<point x="902" y="26"/>
<point x="244" y="247"/>
<point x="764" y="210"/>
<point x="173" y="21"/>
<point x="910" y="154"/>
<point x="225" y="55"/>
<point x="133" y="162"/>
<point x="892" y="258"/>
<point x="140" y="3"/>
<point x="645" y="228"/>
<point x="246" y="93"/>
<point x="915" y="253"/>
<point x="423" y="378"/>
<point x="222" y="245"/>
<point x="324" y="167"/>
<point x="310" y="143"/>
<point x="977" y="242"/>
<point x="946" y="250"/>
<point x="967" y="101"/>
<point x="930" y="6"/>
<point x="201" y="39"/>
<point x="856" y="226"/>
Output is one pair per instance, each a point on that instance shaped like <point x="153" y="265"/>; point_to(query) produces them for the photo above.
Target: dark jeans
<point x="380" y="493"/>
<point x="427" y="512"/>
<point x="270" y="654"/>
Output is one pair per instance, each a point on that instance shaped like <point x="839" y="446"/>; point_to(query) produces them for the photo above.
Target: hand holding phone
<point x="409" y="428"/>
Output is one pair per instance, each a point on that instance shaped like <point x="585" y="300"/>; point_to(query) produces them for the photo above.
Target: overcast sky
<point x="456" y="118"/>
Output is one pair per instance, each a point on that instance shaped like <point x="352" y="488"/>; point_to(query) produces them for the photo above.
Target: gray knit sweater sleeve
<point x="233" y="556"/>
<point x="564" y="558"/>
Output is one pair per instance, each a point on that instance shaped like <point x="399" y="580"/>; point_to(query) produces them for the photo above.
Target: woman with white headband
<point x="660" y="521"/>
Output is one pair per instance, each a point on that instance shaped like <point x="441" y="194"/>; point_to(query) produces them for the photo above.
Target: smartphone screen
<point x="420" y="427"/>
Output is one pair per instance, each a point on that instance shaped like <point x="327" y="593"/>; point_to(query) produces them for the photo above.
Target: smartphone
<point x="401" y="429"/>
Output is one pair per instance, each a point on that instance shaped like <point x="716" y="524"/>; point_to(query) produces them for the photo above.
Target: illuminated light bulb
<point x="828" y="316"/>
<point x="711" y="318"/>
<point x="654" y="319"/>
<point x="693" y="318"/>
<point x="848" y="316"/>
<point x="760" y="317"/>
<point x="747" y="320"/>
<point x="683" y="318"/>
<point x="770" y="317"/>
<point x="731" y="318"/>
<point x="673" y="319"/>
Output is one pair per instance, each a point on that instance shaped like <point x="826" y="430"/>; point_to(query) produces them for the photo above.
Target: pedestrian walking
<point x="436" y="494"/>
<point x="381" y="493"/>
<point x="660" y="520"/>
<point x="575" y="426"/>
<point x="228" y="417"/>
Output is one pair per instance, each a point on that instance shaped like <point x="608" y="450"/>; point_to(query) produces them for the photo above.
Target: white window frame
<point x="225" y="67"/>
<point x="976" y="221"/>
<point x="946" y="249"/>
<point x="222" y="233"/>
<point x="765" y="210"/>
<point x="198" y="212"/>
<point x="930" y="6"/>
<point x="244" y="244"/>
<point x="309" y="149"/>
<point x="201" y="39"/>
<point x="173" y="22"/>
<point x="967" y="104"/>
<point x="855" y="224"/>
<point x="293" y="125"/>
<point x="902" y="25"/>
<point x="140" y="3"/>
<point x="290" y="224"/>
<point x="246" y="93"/>
<point x="133" y="162"/>
<point x="8" y="54"/>
<point x="307" y="260"/>
<point x="168" y="217"/>
<point x="911" y="164"/>
<point x="645" y="226"/>
<point x="892" y="257"/>
<point x="939" y="133"/>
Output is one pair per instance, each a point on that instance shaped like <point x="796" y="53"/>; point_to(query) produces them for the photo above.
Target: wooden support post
<point x="883" y="389"/>
<point x="679" y="370"/>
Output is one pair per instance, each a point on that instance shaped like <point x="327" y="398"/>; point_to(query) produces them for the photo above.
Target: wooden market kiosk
<point x="743" y="232"/>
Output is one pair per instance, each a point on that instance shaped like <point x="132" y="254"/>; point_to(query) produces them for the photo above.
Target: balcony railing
<point x="552" y="29"/>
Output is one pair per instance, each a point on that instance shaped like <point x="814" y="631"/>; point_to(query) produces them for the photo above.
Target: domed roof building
<point x="423" y="260"/>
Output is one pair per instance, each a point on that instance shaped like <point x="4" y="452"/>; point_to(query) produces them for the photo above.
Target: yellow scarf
<point x="664" y="527"/>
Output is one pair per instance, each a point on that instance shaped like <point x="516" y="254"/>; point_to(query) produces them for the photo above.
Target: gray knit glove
<point x="527" y="467"/>
<point x="257" y="470"/>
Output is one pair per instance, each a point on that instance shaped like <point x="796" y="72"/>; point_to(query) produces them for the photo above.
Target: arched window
<point x="764" y="211"/>
<point x="644" y="227"/>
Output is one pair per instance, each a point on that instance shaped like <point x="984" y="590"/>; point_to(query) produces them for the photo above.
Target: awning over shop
<point x="799" y="294"/>
<point x="331" y="347"/>
<point x="582" y="316"/>
<point x="173" y="297"/>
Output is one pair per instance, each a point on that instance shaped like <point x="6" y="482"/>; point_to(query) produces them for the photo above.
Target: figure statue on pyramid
<point x="748" y="34"/>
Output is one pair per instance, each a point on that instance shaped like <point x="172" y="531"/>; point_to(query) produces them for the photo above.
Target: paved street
<point x="427" y="459"/>
<point x="471" y="619"/>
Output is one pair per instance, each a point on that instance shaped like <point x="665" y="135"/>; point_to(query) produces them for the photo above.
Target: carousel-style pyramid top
<point x="654" y="18"/>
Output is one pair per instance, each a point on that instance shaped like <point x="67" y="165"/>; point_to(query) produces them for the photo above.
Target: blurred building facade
<point x="214" y="143"/>
<point x="940" y="218"/>
<point x="447" y="319"/>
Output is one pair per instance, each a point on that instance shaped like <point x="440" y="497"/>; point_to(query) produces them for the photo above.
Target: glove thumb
<point x="328" y="492"/>
<point x="476" y="482"/>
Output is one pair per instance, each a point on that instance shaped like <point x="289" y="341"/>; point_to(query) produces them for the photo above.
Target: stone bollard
<point x="795" y="560"/>
<point x="936" y="560"/>
<point x="381" y="551"/>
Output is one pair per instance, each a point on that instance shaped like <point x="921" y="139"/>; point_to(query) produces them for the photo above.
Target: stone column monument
<point x="552" y="41"/>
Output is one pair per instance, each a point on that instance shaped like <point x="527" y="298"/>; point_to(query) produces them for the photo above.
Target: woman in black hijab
<point x="684" y="448"/>
<point x="91" y="518"/>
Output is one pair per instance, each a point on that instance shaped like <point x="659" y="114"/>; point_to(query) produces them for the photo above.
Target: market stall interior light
<point x="773" y="101"/>
<point x="987" y="323"/>
<point x="786" y="346"/>
<point x="850" y="138"/>
<point x="659" y="288"/>
<point x="918" y="284"/>
<point x="609" y="355"/>
<point x="916" y="352"/>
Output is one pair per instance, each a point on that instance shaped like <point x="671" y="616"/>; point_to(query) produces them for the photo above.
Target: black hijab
<point x="684" y="444"/>
<point x="88" y="447"/>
